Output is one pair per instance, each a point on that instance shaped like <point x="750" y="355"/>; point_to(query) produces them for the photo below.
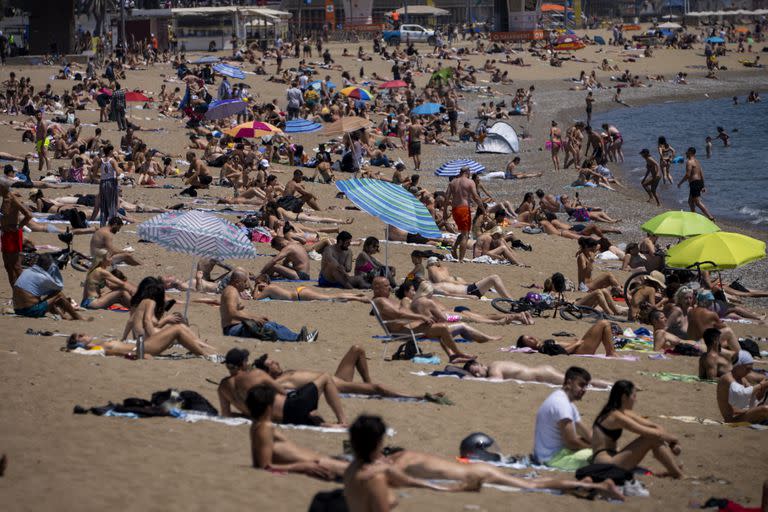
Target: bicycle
<point x="64" y="257"/>
<point x="567" y="310"/>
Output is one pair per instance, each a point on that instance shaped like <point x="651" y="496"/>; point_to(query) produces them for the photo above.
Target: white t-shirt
<point x="740" y="396"/>
<point x="547" y="439"/>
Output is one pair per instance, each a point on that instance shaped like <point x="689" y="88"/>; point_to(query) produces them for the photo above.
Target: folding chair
<point x="396" y="337"/>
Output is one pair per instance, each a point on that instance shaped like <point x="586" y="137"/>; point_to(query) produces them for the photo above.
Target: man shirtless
<point x="337" y="263"/>
<point x="650" y="181"/>
<point x="701" y="318"/>
<point x="41" y="133"/>
<point x="236" y="322"/>
<point x="454" y="286"/>
<point x="415" y="133"/>
<point x="459" y="195"/>
<point x="103" y="239"/>
<point x="354" y="360"/>
<point x="492" y="244"/>
<point x="293" y="407"/>
<point x="14" y="217"/>
<point x="291" y="261"/>
<point x="694" y="175"/>
<point x="294" y="189"/>
<point x="197" y="176"/>
<point x="402" y="320"/>
<point x="506" y="370"/>
<point x="737" y="399"/>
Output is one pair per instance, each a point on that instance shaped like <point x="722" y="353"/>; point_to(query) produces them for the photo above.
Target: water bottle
<point x="140" y="347"/>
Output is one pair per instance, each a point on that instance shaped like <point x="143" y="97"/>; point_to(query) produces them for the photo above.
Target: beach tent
<point x="500" y="138"/>
<point x="599" y="40"/>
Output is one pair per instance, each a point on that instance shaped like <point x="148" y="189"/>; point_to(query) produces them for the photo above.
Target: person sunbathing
<point x="453" y="286"/>
<point x="419" y="295"/>
<point x="263" y="289"/>
<point x="618" y="415"/>
<point x="506" y="370"/>
<point x="598" y="334"/>
<point x="354" y="361"/>
<point x="584" y="264"/>
<point x="154" y="345"/>
<point x="297" y="407"/>
<point x="404" y="321"/>
<point x="737" y="398"/>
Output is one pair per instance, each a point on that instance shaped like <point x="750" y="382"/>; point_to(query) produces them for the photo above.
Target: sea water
<point x="736" y="177"/>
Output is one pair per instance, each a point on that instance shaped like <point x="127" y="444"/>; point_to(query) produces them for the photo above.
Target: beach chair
<point x="390" y="337"/>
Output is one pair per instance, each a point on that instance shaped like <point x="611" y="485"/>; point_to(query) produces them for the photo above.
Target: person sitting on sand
<point x="297" y="407"/>
<point x="236" y="322"/>
<point x="716" y="361"/>
<point x="337" y="263"/>
<point x="453" y="286"/>
<point x="403" y="320"/>
<point x="291" y="262"/>
<point x="585" y="259"/>
<point x="101" y="288"/>
<point x="561" y="440"/>
<point x="493" y="245"/>
<point x="510" y="370"/>
<point x="737" y="399"/>
<point x="598" y="299"/>
<point x="598" y="334"/>
<point x="104" y="237"/>
<point x="618" y="415"/>
<point x="701" y="317"/>
<point x="39" y="290"/>
<point x="663" y="340"/>
<point x="353" y="361"/>
<point x="646" y="296"/>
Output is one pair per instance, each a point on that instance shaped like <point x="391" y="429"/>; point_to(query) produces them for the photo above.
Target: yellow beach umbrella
<point x="679" y="224"/>
<point x="716" y="251"/>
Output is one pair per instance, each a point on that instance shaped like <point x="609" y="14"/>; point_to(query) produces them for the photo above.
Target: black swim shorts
<point x="299" y="404"/>
<point x="472" y="289"/>
<point x="697" y="187"/>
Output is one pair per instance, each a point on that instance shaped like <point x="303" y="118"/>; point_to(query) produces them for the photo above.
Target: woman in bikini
<point x="555" y="142"/>
<point x="585" y="259"/>
<point x="598" y="334"/>
<point x="263" y="289"/>
<point x="101" y="288"/>
<point x="618" y="415"/>
<point x="666" y="155"/>
<point x="368" y="267"/>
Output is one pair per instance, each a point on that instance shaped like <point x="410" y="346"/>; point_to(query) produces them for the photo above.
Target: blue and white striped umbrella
<point x="197" y="233"/>
<point x="224" y="108"/>
<point x="230" y="71"/>
<point x="301" y="126"/>
<point x="453" y="167"/>
<point x="391" y="204"/>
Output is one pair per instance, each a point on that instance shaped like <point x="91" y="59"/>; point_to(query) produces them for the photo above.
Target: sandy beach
<point x="62" y="461"/>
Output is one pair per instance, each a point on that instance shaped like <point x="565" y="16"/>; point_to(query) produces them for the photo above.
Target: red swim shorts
<point x="462" y="215"/>
<point x="12" y="241"/>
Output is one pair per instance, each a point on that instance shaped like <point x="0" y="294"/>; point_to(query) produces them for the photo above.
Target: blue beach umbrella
<point x="391" y="204"/>
<point x="230" y="71"/>
<point x="301" y="126"/>
<point x="224" y="108"/>
<point x="715" y="40"/>
<point x="197" y="233"/>
<point x="427" y="109"/>
<point x="318" y="85"/>
<point x="453" y="167"/>
<point x="208" y="59"/>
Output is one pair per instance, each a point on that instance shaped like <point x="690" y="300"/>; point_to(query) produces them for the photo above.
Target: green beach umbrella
<point x="724" y="249"/>
<point x="679" y="224"/>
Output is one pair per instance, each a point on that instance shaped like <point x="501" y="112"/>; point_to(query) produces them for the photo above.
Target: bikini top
<point x="613" y="433"/>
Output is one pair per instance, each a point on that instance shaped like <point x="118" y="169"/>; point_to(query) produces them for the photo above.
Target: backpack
<point x="255" y="330"/>
<point x="329" y="501"/>
<point x="601" y="472"/>
<point x="405" y="352"/>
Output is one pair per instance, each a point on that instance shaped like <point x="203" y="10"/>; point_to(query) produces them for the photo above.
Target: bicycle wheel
<point x="80" y="262"/>
<point x="507" y="306"/>
<point x="573" y="312"/>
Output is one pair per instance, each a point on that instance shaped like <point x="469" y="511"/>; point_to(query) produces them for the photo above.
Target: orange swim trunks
<point x="462" y="215"/>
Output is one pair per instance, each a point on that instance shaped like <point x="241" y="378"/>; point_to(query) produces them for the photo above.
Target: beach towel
<point x="485" y="260"/>
<point x="455" y="375"/>
<point x="707" y="421"/>
<point x="191" y="417"/>
<point x="528" y="350"/>
<point x="676" y="377"/>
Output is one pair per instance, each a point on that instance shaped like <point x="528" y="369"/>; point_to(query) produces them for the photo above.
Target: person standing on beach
<point x="590" y="100"/>
<point x="461" y="191"/>
<point x="118" y="107"/>
<point x="415" y="132"/>
<point x="14" y="217"/>
<point x="41" y="133"/>
<point x="555" y="142"/>
<point x="652" y="176"/>
<point x="694" y="175"/>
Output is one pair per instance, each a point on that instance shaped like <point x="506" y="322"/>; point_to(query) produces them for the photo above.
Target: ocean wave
<point x="759" y="215"/>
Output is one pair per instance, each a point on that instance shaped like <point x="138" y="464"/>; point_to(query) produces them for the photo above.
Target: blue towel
<point x="426" y="360"/>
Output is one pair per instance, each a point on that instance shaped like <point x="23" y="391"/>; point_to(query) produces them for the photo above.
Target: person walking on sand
<point x="415" y="132"/>
<point x="694" y="175"/>
<point x="41" y="134"/>
<point x="460" y="192"/>
<point x="652" y="176"/>
<point x="590" y="99"/>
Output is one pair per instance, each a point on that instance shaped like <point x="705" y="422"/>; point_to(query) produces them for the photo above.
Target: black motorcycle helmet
<point x="476" y="446"/>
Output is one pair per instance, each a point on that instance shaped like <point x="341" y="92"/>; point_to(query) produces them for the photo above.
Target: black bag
<point x="601" y="472"/>
<point x="194" y="401"/>
<point x="291" y="203"/>
<point x="750" y="346"/>
<point x="551" y="348"/>
<point x="251" y="221"/>
<point x="684" y="349"/>
<point x="405" y="352"/>
<point x="257" y="331"/>
<point x="329" y="501"/>
<point x="348" y="162"/>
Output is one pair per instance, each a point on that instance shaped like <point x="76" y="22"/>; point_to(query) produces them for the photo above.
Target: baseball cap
<point x="264" y="163"/>
<point x="744" y="358"/>
<point x="236" y="357"/>
<point x="705" y="296"/>
<point x="432" y="260"/>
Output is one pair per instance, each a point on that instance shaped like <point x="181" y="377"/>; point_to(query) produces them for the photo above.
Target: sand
<point x="71" y="462"/>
